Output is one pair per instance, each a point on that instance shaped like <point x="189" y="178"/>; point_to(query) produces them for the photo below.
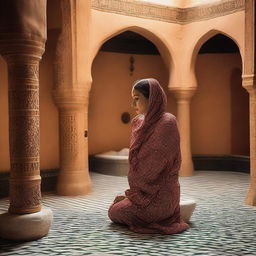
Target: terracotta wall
<point x="111" y="96"/>
<point x="219" y="109"/>
<point x="53" y="14"/>
<point x="49" y="124"/>
<point x="48" y="112"/>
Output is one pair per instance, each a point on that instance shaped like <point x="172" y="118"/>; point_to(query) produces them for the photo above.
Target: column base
<point x="187" y="168"/>
<point x="74" y="184"/>
<point x="26" y="227"/>
<point x="251" y="195"/>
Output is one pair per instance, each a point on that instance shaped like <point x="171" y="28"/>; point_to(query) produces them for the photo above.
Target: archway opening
<point x="121" y="61"/>
<point x="220" y="108"/>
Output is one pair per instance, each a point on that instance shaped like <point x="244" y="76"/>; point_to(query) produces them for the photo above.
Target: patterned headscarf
<point x="156" y="107"/>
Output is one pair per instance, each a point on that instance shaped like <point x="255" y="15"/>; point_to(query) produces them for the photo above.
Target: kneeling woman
<point x="151" y="205"/>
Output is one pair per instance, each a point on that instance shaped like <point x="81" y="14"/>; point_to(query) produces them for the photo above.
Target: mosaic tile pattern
<point x="221" y="225"/>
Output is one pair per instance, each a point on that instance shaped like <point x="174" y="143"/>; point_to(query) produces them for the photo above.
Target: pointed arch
<point x="160" y="43"/>
<point x="204" y="38"/>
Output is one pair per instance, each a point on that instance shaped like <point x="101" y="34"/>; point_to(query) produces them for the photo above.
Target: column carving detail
<point x="73" y="82"/>
<point x="74" y="176"/>
<point x="24" y="136"/>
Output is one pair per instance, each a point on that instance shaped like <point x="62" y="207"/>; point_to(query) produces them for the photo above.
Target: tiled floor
<point x="221" y="225"/>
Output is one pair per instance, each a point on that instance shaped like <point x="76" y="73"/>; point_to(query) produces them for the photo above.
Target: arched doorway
<point x="220" y="108"/>
<point x="121" y="60"/>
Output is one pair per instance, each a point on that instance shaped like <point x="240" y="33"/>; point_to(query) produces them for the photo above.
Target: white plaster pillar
<point x="249" y="85"/>
<point x="183" y="96"/>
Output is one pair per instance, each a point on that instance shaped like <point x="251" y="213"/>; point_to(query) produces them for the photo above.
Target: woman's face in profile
<point x="139" y="102"/>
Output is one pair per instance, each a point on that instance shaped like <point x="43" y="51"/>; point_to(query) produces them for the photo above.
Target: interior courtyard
<point x="66" y="72"/>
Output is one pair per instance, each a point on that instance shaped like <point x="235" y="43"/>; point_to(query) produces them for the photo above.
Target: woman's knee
<point x="113" y="212"/>
<point x="119" y="212"/>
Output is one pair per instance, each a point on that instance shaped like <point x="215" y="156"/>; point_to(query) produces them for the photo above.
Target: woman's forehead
<point x="135" y="92"/>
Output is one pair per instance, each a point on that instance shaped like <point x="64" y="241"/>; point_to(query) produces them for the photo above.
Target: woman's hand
<point x="119" y="198"/>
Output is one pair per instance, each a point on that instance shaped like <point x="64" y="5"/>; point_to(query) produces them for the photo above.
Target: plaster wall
<point x="156" y="31"/>
<point x="178" y="44"/>
<point x="53" y="14"/>
<point x="194" y="35"/>
<point x="49" y="122"/>
<point x="111" y="96"/>
<point x="220" y="107"/>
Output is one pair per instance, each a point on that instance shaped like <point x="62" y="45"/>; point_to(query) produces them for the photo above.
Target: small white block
<point x="187" y="207"/>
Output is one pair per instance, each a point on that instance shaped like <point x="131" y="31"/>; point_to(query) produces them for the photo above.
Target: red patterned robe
<point x="152" y="201"/>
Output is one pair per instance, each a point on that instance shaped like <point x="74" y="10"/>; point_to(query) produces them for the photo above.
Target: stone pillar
<point x="249" y="85"/>
<point x="73" y="178"/>
<point x="22" y="40"/>
<point x="183" y="97"/>
<point x="22" y="58"/>
<point x="25" y="180"/>
<point x="73" y="83"/>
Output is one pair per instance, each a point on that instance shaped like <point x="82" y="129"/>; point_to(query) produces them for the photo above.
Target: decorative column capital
<point x="183" y="93"/>
<point x="74" y="99"/>
<point x="12" y="48"/>
<point x="249" y="82"/>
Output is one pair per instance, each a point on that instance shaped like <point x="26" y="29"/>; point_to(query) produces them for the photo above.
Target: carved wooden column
<point x="249" y="83"/>
<point x="22" y="44"/>
<point x="183" y="97"/>
<point x="73" y="178"/>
